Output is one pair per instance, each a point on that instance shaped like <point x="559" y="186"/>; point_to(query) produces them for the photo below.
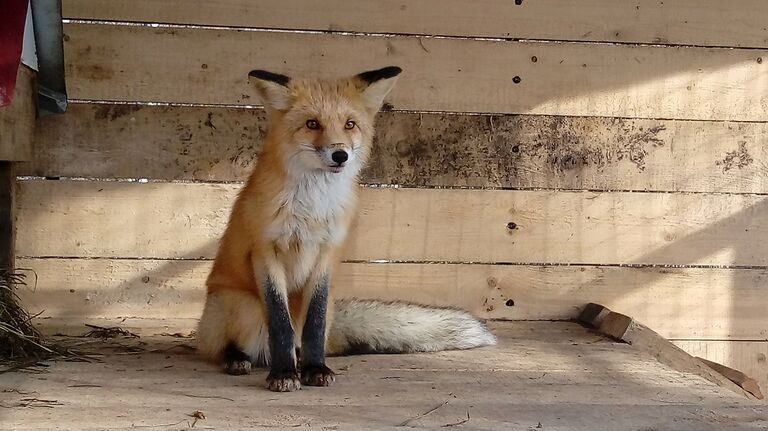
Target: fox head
<point x="323" y="126"/>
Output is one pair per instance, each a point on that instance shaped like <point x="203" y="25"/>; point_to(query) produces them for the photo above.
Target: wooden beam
<point x="742" y="380"/>
<point x="17" y="122"/>
<point x="111" y="62"/>
<point x="690" y="22"/>
<point x="414" y="149"/>
<point x="746" y="356"/>
<point x="7" y="225"/>
<point x="623" y="328"/>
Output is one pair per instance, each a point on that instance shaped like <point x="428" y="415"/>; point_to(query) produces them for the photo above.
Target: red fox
<point x="269" y="292"/>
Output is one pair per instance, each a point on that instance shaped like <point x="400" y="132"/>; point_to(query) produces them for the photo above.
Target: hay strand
<point x="19" y="340"/>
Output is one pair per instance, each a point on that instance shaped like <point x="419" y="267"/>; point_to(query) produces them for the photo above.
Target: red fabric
<point x="13" y="14"/>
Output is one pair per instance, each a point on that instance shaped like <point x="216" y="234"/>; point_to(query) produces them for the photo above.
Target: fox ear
<point x="376" y="84"/>
<point x="273" y="89"/>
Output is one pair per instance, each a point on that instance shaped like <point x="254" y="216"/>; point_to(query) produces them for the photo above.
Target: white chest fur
<point x="311" y="210"/>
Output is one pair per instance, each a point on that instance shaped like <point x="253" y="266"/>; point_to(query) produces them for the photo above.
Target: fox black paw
<point x="236" y="362"/>
<point x="285" y="381"/>
<point x="317" y="375"/>
<point x="238" y="368"/>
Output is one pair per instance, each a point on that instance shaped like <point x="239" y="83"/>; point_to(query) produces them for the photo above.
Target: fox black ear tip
<point x="269" y="76"/>
<point x="393" y="70"/>
<point x="258" y="73"/>
<point x="384" y="73"/>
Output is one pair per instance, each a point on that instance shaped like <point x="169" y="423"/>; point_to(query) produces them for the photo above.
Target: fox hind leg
<point x="236" y="362"/>
<point x="232" y="330"/>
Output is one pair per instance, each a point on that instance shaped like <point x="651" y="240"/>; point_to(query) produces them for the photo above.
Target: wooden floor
<point x="542" y="376"/>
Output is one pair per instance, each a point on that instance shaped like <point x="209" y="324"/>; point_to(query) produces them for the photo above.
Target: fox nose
<point x="340" y="156"/>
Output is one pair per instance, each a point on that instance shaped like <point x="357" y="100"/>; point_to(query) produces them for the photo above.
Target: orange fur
<point x="281" y="224"/>
<point x="288" y="226"/>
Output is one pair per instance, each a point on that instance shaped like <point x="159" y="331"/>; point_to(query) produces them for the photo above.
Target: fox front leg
<point x="314" y="372"/>
<point x="283" y="376"/>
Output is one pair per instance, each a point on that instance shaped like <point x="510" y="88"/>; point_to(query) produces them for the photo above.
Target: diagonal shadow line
<point x="748" y="244"/>
<point x="745" y="313"/>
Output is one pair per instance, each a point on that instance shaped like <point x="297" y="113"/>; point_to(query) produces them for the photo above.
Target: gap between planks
<point x="427" y="262"/>
<point x="391" y="109"/>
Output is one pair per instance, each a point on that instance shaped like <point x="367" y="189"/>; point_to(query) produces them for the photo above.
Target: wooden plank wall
<point x="628" y="165"/>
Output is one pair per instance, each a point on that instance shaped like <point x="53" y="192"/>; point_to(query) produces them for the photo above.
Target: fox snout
<point x="339" y="156"/>
<point x="336" y="156"/>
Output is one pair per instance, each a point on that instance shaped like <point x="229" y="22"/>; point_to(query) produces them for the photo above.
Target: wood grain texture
<point x="17" y="120"/>
<point x="505" y="151"/>
<point x="745" y="382"/>
<point x="182" y="220"/>
<point x="699" y="303"/>
<point x="749" y="357"/>
<point x="193" y="65"/>
<point x="154" y="382"/>
<point x="691" y="22"/>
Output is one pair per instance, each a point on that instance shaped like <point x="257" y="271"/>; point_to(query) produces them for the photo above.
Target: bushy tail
<point x="363" y="326"/>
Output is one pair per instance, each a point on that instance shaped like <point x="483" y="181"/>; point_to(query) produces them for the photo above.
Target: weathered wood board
<point x="193" y="65"/>
<point x="17" y="120"/>
<point x="621" y="327"/>
<point x="749" y="357"/>
<point x="416" y="149"/>
<point x="739" y="378"/>
<point x="689" y="22"/>
<point x="698" y="302"/>
<point x="184" y="220"/>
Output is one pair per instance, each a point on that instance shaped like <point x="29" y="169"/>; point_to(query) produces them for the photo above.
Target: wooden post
<point x="17" y="123"/>
<point x="7" y="180"/>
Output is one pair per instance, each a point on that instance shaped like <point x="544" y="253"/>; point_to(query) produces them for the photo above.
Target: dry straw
<point x="19" y="340"/>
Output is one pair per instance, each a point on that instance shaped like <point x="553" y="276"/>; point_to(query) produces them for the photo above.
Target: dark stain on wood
<point x="739" y="158"/>
<point x="568" y="144"/>
<point x="95" y="72"/>
<point x="410" y="149"/>
<point x="209" y="121"/>
<point x="502" y="150"/>
<point x="165" y="31"/>
<point x="391" y="48"/>
<point x="113" y="112"/>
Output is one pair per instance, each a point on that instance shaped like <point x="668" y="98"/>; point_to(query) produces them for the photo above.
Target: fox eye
<point x="350" y="125"/>
<point x="313" y="124"/>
